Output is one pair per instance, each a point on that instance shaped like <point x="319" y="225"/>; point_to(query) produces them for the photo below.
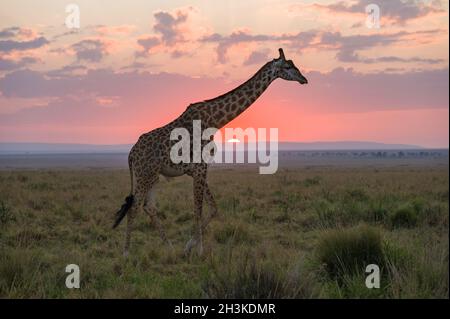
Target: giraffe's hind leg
<point x="150" y="209"/>
<point x="140" y="189"/>
<point x="138" y="201"/>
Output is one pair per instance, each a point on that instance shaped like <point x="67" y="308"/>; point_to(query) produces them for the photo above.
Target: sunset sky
<point x="135" y="65"/>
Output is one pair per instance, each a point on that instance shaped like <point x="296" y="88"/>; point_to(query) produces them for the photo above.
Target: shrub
<point x="404" y="216"/>
<point x="350" y="251"/>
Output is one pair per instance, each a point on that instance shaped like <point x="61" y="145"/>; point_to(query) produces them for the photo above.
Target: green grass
<point x="405" y="216"/>
<point x="349" y="251"/>
<point x="301" y="233"/>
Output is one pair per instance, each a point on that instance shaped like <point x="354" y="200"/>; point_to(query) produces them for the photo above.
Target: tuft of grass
<point x="357" y="194"/>
<point x="253" y="278"/>
<point x="312" y="181"/>
<point x="328" y="215"/>
<point x="436" y="214"/>
<point x="349" y="251"/>
<point x="421" y="275"/>
<point x="5" y="213"/>
<point x="404" y="216"/>
<point x="345" y="254"/>
<point x="233" y="232"/>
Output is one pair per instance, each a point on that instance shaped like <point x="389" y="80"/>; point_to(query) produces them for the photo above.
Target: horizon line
<point x="280" y="142"/>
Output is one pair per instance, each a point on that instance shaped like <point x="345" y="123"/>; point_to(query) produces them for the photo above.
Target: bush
<point x="405" y="216"/>
<point x="350" y="251"/>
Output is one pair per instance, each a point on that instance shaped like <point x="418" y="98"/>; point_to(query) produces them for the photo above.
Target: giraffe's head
<point x="286" y="70"/>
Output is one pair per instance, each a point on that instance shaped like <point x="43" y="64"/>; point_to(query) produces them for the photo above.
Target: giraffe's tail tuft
<point x="123" y="210"/>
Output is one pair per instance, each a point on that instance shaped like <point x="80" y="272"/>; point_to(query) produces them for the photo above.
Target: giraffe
<point x="150" y="156"/>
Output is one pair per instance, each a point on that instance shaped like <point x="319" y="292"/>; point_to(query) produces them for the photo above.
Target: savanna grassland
<point x="301" y="233"/>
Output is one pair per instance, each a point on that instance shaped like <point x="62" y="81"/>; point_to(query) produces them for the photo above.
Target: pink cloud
<point x="120" y="30"/>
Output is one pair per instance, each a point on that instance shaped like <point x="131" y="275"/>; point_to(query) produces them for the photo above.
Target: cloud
<point x="390" y="59"/>
<point x="348" y="46"/>
<point x="178" y="54"/>
<point x="90" y="50"/>
<point x="298" y="40"/>
<point x="20" y="32"/>
<point x="345" y="90"/>
<point x="257" y="57"/>
<point x="9" y="32"/>
<point x="147" y="44"/>
<point x="103" y="82"/>
<point x="9" y="64"/>
<point x="168" y="33"/>
<point x="399" y="11"/>
<point x="12" y="45"/>
<point x="124" y="29"/>
<point x="67" y="70"/>
<point x="103" y="98"/>
<point x="124" y="104"/>
<point x="136" y="66"/>
<point x="167" y="25"/>
<point x="340" y="90"/>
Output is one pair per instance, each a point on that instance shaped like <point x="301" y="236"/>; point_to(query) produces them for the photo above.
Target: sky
<point x="133" y="66"/>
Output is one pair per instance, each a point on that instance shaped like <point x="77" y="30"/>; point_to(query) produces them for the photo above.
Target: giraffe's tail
<point x="123" y="210"/>
<point x="128" y="200"/>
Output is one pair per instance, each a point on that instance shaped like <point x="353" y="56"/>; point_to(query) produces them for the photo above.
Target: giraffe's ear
<point x="281" y="54"/>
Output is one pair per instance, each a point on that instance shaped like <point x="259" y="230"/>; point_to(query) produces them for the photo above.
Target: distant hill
<point x="344" y="145"/>
<point x="59" y="148"/>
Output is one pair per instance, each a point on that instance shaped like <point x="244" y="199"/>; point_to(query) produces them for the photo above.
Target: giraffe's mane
<point x="238" y="87"/>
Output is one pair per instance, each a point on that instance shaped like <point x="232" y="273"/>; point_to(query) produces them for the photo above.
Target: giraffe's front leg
<point x="199" y="190"/>
<point x="153" y="213"/>
<point x="151" y="210"/>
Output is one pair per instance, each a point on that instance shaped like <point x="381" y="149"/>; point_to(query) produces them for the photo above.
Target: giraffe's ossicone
<point x="150" y="156"/>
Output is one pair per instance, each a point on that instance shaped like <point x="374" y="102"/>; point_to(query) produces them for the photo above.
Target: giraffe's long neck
<point x="227" y="107"/>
